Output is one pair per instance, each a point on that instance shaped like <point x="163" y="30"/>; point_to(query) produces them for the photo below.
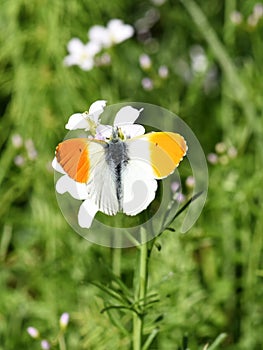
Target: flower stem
<point x="140" y="293"/>
<point x="116" y="261"/>
<point x="61" y="341"/>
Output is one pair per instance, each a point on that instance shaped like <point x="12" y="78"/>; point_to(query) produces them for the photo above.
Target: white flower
<point x="81" y="54"/>
<point x="115" y="33"/>
<point x="158" y="2"/>
<point x="87" y="120"/>
<point x="163" y="72"/>
<point x="45" y="344"/>
<point x="147" y="84"/>
<point x="236" y="17"/>
<point x="212" y="158"/>
<point x="199" y="59"/>
<point x="19" y="160"/>
<point x="64" y="320"/>
<point x="124" y="120"/>
<point x="33" y="332"/>
<point x="190" y="181"/>
<point x="258" y="10"/>
<point x="31" y="151"/>
<point x="17" y="140"/>
<point x="145" y="61"/>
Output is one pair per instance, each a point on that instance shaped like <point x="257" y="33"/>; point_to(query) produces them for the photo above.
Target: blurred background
<point x="202" y="60"/>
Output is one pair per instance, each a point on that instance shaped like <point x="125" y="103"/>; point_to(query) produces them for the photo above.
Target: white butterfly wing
<point x="139" y="187"/>
<point x="102" y="187"/>
<point x="84" y="161"/>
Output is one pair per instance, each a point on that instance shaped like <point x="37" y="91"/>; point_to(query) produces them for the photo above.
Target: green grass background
<point x="209" y="281"/>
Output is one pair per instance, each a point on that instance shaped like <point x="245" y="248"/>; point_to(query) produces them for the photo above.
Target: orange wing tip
<point x="73" y="157"/>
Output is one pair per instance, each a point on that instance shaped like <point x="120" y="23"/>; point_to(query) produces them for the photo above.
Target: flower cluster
<point x="27" y="150"/>
<point x="100" y="38"/>
<point x="44" y="343"/>
<point x="152" y="79"/>
<point x="91" y="122"/>
<point x="222" y="154"/>
<point x="176" y="188"/>
<point x="253" y="19"/>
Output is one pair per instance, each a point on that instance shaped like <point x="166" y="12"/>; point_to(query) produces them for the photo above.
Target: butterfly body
<point x="119" y="172"/>
<point x="116" y="155"/>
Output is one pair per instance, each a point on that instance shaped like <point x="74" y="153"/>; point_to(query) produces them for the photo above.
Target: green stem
<point x="140" y="293"/>
<point x="149" y="340"/>
<point x="61" y="341"/>
<point x="116" y="261"/>
<point x="219" y="340"/>
<point x="5" y="241"/>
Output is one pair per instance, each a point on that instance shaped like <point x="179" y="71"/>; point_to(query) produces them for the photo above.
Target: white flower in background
<point x="64" y="320"/>
<point x="115" y="33"/>
<point x="212" y="158"/>
<point x="232" y="152"/>
<point x="124" y="120"/>
<point x="236" y="17"/>
<point x="178" y="196"/>
<point x="256" y="15"/>
<point x="190" y="181"/>
<point x="33" y="332"/>
<point x="163" y="72"/>
<point x="147" y="84"/>
<point x="45" y="344"/>
<point x="81" y="54"/>
<point x="220" y="147"/>
<point x="198" y="59"/>
<point x="252" y="21"/>
<point x="175" y="186"/>
<point x="158" y="2"/>
<point x="31" y="151"/>
<point x="145" y="61"/>
<point x="19" y="160"/>
<point x="17" y="140"/>
<point x="103" y="60"/>
<point x="258" y="10"/>
<point x="87" y="120"/>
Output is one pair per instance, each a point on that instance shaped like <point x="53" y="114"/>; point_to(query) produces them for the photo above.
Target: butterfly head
<point x="117" y="134"/>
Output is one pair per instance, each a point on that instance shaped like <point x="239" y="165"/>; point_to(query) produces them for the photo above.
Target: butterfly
<point x="120" y="172"/>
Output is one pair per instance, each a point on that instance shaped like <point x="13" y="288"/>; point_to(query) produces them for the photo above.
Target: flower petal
<point x="92" y="48"/>
<point x="139" y="191"/>
<point x="86" y="214"/>
<point x="103" y="132"/>
<point x="99" y="35"/>
<point x="76" y="189"/>
<point x="75" y="46"/>
<point x="71" y="60"/>
<point x="119" y="31"/>
<point x="96" y="109"/>
<point x="55" y="165"/>
<point x="132" y="130"/>
<point x="87" y="64"/>
<point x="77" y="121"/>
<point x="127" y="115"/>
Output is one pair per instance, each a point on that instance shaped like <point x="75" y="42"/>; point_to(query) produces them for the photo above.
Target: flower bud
<point x="33" y="332"/>
<point x="45" y="344"/>
<point x="64" y="319"/>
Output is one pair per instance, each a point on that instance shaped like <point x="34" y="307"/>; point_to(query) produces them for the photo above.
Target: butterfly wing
<point x="84" y="161"/>
<point x="139" y="187"/>
<point x="151" y="156"/>
<point x="163" y="151"/>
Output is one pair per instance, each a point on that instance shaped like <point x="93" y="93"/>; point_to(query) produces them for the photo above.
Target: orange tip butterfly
<point x="120" y="173"/>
